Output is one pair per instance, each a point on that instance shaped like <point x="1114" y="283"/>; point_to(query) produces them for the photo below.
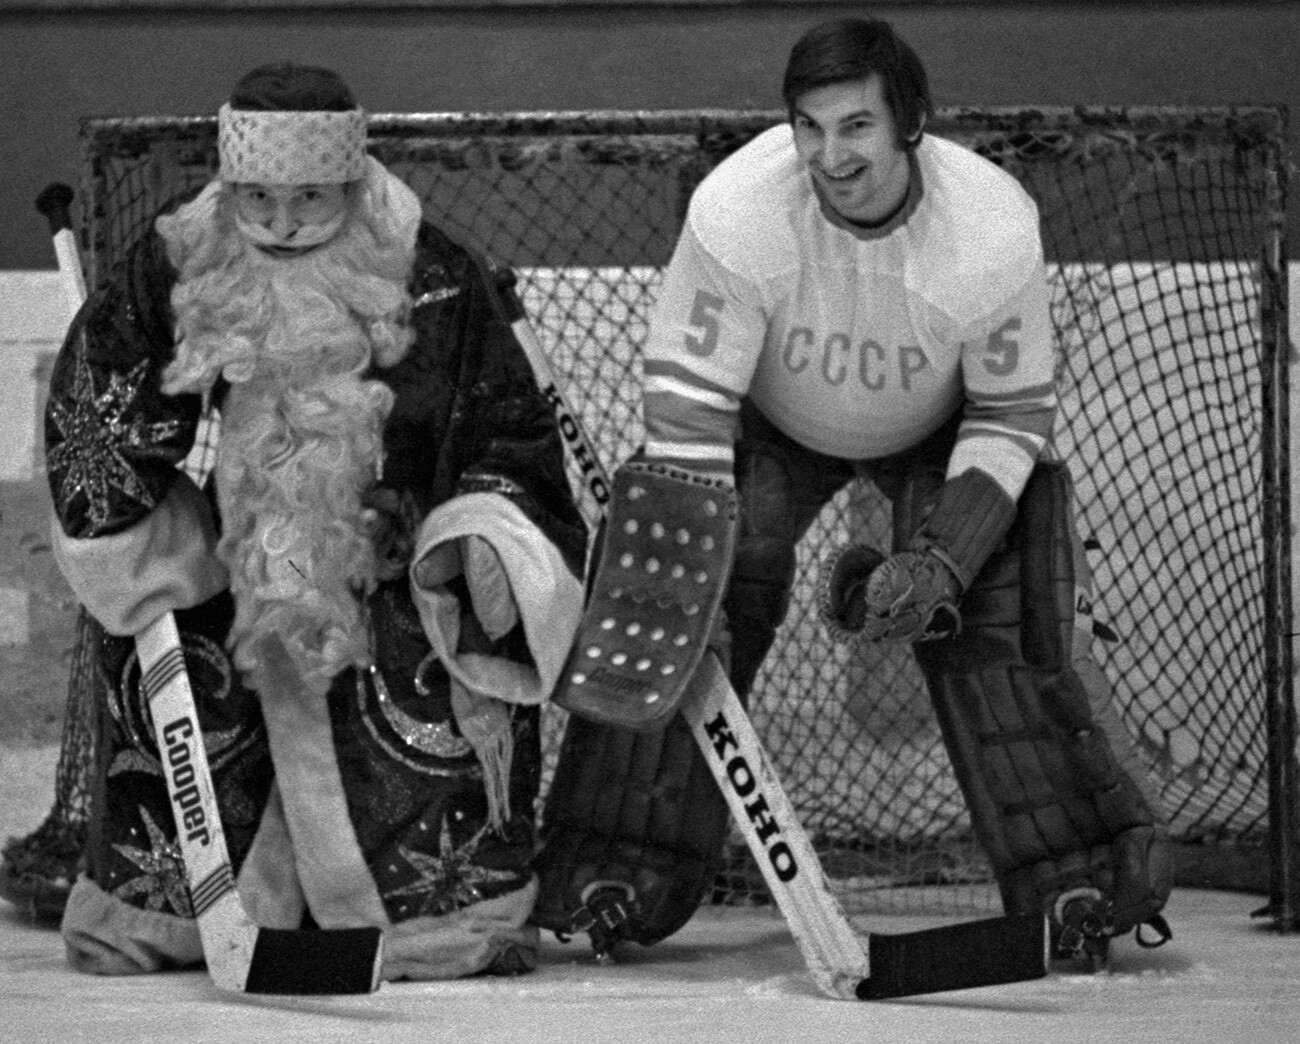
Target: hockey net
<point x="1162" y="230"/>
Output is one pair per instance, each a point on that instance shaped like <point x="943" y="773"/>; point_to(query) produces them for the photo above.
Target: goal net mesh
<point x="1161" y="230"/>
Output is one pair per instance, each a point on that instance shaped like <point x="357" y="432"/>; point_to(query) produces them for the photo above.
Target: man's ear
<point x="915" y="136"/>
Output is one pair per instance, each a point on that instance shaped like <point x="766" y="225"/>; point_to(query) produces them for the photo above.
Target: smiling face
<point x="287" y="220"/>
<point x="845" y="134"/>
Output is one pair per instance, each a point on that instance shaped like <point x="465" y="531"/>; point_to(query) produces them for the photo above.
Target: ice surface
<point x="729" y="976"/>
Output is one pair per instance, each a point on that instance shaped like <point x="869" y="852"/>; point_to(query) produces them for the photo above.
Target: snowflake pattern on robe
<point x="162" y="872"/>
<point x="448" y="881"/>
<point x="95" y="427"/>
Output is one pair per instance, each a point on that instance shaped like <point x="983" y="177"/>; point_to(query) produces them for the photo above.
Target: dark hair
<point x="853" y="49"/>
<point x="285" y="87"/>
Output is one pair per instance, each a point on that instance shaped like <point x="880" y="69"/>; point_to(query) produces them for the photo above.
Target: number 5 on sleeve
<point x="705" y="313"/>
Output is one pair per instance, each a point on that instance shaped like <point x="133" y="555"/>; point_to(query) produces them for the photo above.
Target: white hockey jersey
<point x="857" y="343"/>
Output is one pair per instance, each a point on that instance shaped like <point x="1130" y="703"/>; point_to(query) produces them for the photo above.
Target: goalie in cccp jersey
<point x="852" y="297"/>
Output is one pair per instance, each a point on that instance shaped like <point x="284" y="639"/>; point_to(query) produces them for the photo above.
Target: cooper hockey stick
<point x="240" y="955"/>
<point x="977" y="953"/>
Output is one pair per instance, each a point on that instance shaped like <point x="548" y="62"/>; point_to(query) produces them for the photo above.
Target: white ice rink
<point x="730" y="977"/>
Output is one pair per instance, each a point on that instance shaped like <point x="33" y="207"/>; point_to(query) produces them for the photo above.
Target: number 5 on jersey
<point x="705" y="313"/>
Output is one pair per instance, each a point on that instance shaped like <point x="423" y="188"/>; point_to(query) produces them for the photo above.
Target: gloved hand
<point x="911" y="597"/>
<point x="489" y="586"/>
<point x="843" y="604"/>
<point x="382" y="521"/>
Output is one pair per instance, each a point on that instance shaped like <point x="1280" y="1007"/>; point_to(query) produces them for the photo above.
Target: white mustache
<point x="302" y="236"/>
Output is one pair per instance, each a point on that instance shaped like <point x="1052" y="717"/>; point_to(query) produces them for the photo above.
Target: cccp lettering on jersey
<point x="869" y="363"/>
<point x="744" y="784"/>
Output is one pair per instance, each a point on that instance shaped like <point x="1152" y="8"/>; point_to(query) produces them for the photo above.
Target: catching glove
<point x="911" y="597"/>
<point x="908" y="597"/>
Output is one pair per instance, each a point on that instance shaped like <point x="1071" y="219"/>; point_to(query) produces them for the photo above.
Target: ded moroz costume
<point x="377" y="583"/>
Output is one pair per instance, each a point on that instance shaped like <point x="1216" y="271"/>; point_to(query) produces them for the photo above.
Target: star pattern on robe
<point x="448" y="881"/>
<point x="96" y="426"/>
<point x="162" y="872"/>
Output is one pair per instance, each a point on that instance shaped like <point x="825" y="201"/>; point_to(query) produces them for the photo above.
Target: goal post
<point x="1164" y="235"/>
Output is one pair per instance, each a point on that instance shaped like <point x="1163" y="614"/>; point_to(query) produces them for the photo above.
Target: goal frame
<point x="608" y="136"/>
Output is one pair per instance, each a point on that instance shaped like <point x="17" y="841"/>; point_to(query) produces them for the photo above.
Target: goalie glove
<point x="911" y="597"/>
<point x="843" y="603"/>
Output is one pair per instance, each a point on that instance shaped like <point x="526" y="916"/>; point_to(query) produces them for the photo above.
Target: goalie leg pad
<point x="1056" y="792"/>
<point x="632" y="834"/>
<point x="634" y="824"/>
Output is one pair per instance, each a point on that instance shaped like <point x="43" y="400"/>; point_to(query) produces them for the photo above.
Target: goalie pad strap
<point x="1042" y="761"/>
<point x="1132" y="871"/>
<point x="631" y="835"/>
<point x="669" y="545"/>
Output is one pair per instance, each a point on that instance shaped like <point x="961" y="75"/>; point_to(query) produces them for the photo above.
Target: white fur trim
<point x="331" y="868"/>
<point x="104" y="935"/>
<point x="548" y="596"/>
<point x="389" y="192"/>
<point x="268" y="881"/>
<point x="463" y="942"/>
<point x="166" y="561"/>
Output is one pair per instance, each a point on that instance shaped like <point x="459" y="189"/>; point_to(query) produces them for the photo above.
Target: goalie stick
<point x="984" y="952"/>
<point x="240" y="955"/>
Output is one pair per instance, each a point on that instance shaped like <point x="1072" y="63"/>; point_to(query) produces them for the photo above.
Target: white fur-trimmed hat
<point x="291" y="125"/>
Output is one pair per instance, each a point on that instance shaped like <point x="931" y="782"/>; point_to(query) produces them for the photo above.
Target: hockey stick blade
<point x="241" y="956"/>
<point x="987" y="952"/>
<point x="335" y="960"/>
<point x="961" y="956"/>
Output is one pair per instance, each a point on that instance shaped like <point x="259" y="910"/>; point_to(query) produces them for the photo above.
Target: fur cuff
<point x="548" y="596"/>
<point x="105" y="936"/>
<point x="166" y="561"/>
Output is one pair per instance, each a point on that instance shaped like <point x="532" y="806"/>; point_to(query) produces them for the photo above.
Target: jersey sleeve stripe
<point x="1044" y="392"/>
<point x="998" y="436"/>
<point x="667" y="371"/>
<point x="672" y="416"/>
<point x="695" y="456"/>
<point x="1007" y="464"/>
<point x="666" y="391"/>
<point x="1037" y="421"/>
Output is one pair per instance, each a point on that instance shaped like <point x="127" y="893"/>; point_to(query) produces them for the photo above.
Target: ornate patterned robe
<point x="370" y="806"/>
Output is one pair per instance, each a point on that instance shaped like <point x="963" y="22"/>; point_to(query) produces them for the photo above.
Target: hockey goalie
<point x="851" y="298"/>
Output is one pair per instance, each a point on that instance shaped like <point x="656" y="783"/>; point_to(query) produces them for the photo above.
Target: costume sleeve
<point x="1009" y="370"/>
<point x="500" y="476"/>
<point x="474" y="406"/>
<point x="705" y="339"/>
<point x="517" y="451"/>
<point x="128" y="540"/>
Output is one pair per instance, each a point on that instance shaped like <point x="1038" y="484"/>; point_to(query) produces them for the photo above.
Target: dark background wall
<point x="58" y="63"/>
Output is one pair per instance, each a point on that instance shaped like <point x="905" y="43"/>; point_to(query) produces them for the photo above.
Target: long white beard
<point x="301" y="439"/>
